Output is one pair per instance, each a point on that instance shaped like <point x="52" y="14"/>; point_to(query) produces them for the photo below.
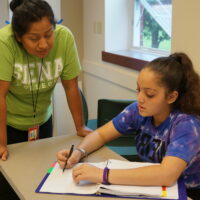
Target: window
<point x="137" y="31"/>
<point x="152" y="25"/>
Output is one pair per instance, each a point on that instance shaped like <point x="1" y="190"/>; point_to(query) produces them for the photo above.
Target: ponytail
<point x="178" y="74"/>
<point x="189" y="99"/>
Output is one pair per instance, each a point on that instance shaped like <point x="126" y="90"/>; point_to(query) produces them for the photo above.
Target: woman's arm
<point x="75" y="105"/>
<point x="4" y="86"/>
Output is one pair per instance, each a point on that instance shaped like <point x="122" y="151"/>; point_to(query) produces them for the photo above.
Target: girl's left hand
<point x="87" y="172"/>
<point x="83" y="131"/>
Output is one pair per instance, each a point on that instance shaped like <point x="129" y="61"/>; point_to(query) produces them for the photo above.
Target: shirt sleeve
<point x="72" y="65"/>
<point x="128" y="120"/>
<point x="6" y="62"/>
<point x="185" y="139"/>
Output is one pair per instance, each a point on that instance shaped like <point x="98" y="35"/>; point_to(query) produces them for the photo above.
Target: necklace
<point x="35" y="97"/>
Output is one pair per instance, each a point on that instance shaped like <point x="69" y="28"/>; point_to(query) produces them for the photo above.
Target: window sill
<point x="128" y="58"/>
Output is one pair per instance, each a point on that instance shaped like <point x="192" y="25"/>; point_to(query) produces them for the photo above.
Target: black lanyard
<point x="35" y="100"/>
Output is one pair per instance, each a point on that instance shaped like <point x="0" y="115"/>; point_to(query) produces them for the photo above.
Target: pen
<point x="70" y="153"/>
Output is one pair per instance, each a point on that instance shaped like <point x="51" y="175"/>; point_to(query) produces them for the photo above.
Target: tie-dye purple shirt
<point x="178" y="135"/>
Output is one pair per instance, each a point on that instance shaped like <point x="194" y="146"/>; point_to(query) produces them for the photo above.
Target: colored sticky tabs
<point x="53" y="165"/>
<point x="50" y="170"/>
<point x="164" y="191"/>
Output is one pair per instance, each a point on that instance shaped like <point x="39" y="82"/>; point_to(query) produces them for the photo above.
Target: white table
<point x="29" y="161"/>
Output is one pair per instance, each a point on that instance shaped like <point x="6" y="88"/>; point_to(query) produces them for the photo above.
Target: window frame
<point x="133" y="58"/>
<point x="143" y="49"/>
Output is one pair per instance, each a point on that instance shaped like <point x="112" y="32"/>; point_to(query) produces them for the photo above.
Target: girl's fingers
<point x="77" y="175"/>
<point x="62" y="155"/>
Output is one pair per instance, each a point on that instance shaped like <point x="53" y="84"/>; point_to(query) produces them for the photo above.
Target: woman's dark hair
<point x="26" y="12"/>
<point x="177" y="74"/>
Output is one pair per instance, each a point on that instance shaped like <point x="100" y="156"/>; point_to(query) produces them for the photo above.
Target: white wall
<point x="56" y="6"/>
<point x="6" y="13"/>
<point x="72" y="13"/>
<point x="3" y="12"/>
<point x="104" y="80"/>
<point x="118" y="24"/>
<point x="186" y="29"/>
<point x="63" y="122"/>
<point x="101" y="79"/>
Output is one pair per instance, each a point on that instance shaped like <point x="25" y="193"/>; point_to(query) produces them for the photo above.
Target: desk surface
<point x="29" y="161"/>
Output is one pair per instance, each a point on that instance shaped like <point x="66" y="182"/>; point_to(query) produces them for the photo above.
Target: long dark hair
<point x="177" y="74"/>
<point x="26" y="12"/>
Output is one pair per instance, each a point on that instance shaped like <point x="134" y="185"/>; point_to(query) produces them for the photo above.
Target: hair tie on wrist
<point x="105" y="175"/>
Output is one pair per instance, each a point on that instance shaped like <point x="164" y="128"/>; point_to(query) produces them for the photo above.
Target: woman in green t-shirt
<point x="35" y="53"/>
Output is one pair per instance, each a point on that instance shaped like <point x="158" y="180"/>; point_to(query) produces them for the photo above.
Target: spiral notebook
<point x="58" y="182"/>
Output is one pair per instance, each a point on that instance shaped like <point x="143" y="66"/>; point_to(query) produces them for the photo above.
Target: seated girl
<point x="166" y="119"/>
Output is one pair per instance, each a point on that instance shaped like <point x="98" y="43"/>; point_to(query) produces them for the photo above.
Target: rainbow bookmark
<point x="164" y="191"/>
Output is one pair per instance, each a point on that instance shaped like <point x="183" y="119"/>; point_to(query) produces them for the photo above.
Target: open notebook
<point x="59" y="182"/>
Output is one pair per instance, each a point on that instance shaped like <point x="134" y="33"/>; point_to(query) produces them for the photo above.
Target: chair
<point x="85" y="107"/>
<point x="108" y="109"/>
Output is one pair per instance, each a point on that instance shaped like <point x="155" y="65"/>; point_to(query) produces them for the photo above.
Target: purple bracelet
<point x="105" y="176"/>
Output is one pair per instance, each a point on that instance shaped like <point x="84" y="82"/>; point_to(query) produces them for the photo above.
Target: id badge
<point x="33" y="133"/>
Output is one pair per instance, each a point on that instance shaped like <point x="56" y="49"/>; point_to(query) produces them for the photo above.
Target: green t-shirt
<point x="62" y="61"/>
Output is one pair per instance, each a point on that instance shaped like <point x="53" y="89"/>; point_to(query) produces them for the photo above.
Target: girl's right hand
<point x="3" y="152"/>
<point x="62" y="156"/>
